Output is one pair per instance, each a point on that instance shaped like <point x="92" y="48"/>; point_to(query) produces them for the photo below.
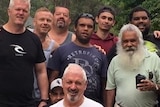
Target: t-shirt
<point x="124" y="82"/>
<point x="91" y="59"/>
<point x="86" y="103"/>
<point x="18" y="56"/>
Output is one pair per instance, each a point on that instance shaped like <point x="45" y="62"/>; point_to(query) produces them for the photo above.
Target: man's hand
<point x="156" y="34"/>
<point x="100" y="48"/>
<point x="146" y="85"/>
<point x="42" y="104"/>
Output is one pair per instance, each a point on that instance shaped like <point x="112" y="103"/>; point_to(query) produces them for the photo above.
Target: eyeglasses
<point x="87" y="15"/>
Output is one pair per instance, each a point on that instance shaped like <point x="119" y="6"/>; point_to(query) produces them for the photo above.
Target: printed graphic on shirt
<point x="19" y="51"/>
<point x="90" y="65"/>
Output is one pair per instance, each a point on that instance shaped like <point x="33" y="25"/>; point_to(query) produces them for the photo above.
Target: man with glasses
<point x="81" y="52"/>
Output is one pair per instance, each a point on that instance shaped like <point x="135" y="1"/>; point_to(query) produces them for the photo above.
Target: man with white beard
<point x="74" y="83"/>
<point x="133" y="59"/>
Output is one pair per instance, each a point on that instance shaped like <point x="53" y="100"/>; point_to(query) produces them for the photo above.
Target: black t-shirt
<point x="19" y="53"/>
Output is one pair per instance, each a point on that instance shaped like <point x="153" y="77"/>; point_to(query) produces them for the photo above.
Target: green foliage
<point x="76" y="7"/>
<point x="153" y="7"/>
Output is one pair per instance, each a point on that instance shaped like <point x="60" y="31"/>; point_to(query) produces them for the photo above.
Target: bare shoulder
<point x="73" y="36"/>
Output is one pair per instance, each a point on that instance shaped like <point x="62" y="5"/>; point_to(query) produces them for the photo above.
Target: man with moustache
<point x="132" y="59"/>
<point x="61" y="21"/>
<point x="141" y="18"/>
<point x="81" y="52"/>
<point x="74" y="82"/>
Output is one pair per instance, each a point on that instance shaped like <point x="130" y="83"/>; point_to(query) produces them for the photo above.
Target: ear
<point x="75" y="29"/>
<point x="96" y="19"/>
<point x="8" y="12"/>
<point x="86" y="85"/>
<point x="34" y="21"/>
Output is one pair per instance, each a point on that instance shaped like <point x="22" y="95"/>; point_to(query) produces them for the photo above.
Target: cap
<point x="56" y="83"/>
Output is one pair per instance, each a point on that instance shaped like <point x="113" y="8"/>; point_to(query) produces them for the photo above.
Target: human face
<point x="61" y="17"/>
<point x="74" y="86"/>
<point x="105" y="21"/>
<point x="18" y="13"/>
<point x="43" y="22"/>
<point x="142" y="21"/>
<point x="130" y="41"/>
<point x="84" y="30"/>
<point x="56" y="95"/>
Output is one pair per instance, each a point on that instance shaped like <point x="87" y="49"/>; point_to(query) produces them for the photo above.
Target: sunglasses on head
<point x="87" y="15"/>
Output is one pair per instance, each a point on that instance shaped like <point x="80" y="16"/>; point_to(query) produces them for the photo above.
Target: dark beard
<point x="145" y="33"/>
<point x="83" y="41"/>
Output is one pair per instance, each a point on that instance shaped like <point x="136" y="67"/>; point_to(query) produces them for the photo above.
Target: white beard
<point x="131" y="60"/>
<point x="72" y="99"/>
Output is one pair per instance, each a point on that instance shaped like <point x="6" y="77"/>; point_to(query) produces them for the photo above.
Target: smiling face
<point x="141" y="20"/>
<point x="105" y="21"/>
<point x="84" y="30"/>
<point x="74" y="86"/>
<point x="18" y="12"/>
<point x="43" y="22"/>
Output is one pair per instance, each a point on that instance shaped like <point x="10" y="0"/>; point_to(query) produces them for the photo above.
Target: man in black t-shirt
<point x="21" y="52"/>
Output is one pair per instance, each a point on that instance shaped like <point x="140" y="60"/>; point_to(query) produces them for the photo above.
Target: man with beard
<point x="61" y="21"/>
<point x="81" y="52"/>
<point x="74" y="82"/>
<point x="132" y="59"/>
<point x="142" y="19"/>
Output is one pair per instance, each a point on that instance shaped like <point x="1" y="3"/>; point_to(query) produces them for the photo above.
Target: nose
<point x="106" y="20"/>
<point x="141" y="20"/>
<point x="59" y="97"/>
<point x="45" y="21"/>
<point x="86" y="27"/>
<point x="21" y="11"/>
<point x="129" y="44"/>
<point x="61" y="15"/>
<point x="73" y="86"/>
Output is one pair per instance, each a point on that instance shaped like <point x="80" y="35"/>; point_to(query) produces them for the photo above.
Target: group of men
<point x="86" y="76"/>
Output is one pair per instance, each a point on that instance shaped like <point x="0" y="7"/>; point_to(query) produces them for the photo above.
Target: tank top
<point x="68" y="39"/>
<point x="48" y="51"/>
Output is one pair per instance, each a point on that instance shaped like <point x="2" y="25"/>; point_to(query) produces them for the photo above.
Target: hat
<point x="56" y="83"/>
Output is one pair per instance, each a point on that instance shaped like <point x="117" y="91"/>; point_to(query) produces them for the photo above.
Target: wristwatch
<point x="45" y="100"/>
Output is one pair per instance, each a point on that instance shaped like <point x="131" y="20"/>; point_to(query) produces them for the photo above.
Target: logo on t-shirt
<point x="19" y="50"/>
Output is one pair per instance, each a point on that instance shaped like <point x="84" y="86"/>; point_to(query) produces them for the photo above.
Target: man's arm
<point x="42" y="79"/>
<point x="110" y="98"/>
<point x="53" y="75"/>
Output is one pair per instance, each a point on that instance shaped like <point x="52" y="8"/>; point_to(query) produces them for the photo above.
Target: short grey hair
<point x="11" y="3"/>
<point x="73" y="67"/>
